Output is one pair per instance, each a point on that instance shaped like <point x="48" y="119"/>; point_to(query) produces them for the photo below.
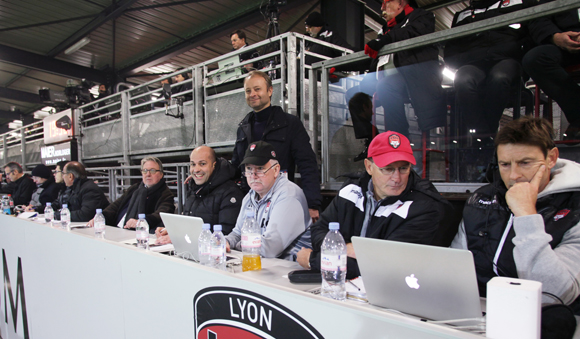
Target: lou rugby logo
<point x="226" y="312"/>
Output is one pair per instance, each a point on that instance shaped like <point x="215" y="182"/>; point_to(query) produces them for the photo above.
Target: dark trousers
<point x="421" y="83"/>
<point x="483" y="91"/>
<point x="545" y="64"/>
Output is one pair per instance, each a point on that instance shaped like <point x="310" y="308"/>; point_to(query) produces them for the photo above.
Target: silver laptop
<point x="431" y="282"/>
<point x="232" y="71"/>
<point x="184" y="233"/>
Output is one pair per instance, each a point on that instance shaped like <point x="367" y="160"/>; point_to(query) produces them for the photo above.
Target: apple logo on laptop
<point x="412" y="281"/>
<point x="187" y="239"/>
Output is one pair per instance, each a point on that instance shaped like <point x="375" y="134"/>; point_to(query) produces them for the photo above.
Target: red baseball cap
<point x="389" y="147"/>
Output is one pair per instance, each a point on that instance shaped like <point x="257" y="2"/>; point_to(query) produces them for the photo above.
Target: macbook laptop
<point x="431" y="282"/>
<point x="230" y="73"/>
<point x="184" y="232"/>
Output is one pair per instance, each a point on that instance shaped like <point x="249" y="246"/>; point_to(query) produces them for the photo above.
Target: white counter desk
<point x="61" y="284"/>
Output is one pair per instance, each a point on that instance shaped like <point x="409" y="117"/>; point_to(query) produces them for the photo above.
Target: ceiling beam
<point x="14" y="94"/>
<point x="112" y="12"/>
<point x="54" y="22"/>
<point x="10" y="115"/>
<point x="26" y="59"/>
<point x="202" y="38"/>
<point x="169" y="4"/>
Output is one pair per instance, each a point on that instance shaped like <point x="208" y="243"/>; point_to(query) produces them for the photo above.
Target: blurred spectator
<point x="318" y="29"/>
<point x="238" y="39"/>
<point x="21" y="185"/>
<point x="46" y="191"/>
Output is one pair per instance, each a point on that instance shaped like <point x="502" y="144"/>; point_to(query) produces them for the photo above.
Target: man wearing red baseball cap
<point x="389" y="201"/>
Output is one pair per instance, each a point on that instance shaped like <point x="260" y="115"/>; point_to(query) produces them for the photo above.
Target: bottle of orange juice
<point x="251" y="243"/>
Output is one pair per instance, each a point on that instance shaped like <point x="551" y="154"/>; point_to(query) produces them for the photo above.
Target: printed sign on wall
<point x="226" y="312"/>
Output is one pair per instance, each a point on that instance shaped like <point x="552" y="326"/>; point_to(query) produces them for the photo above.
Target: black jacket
<point x="218" y="201"/>
<point x="83" y="199"/>
<point x="421" y="224"/>
<point x="161" y="201"/>
<point x="488" y="46"/>
<point x="328" y="36"/>
<point x="542" y="29"/>
<point x="286" y="133"/>
<point x="21" y="190"/>
<point x="49" y="193"/>
<point x="418" y="22"/>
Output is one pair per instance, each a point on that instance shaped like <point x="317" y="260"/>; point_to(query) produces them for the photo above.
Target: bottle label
<point x="217" y="251"/>
<point x="251" y="240"/>
<point x="7" y="211"/>
<point x="142" y="235"/>
<point x="204" y="250"/>
<point x="330" y="262"/>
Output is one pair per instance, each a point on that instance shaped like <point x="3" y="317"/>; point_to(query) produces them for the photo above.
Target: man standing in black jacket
<point x="82" y="195"/>
<point x="21" y="185"/>
<point x="150" y="197"/>
<point x="413" y="73"/>
<point x="212" y="193"/>
<point x="559" y="40"/>
<point x="285" y="132"/>
<point x="389" y="201"/>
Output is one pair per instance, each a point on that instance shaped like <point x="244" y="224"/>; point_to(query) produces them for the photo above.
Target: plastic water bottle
<point x="11" y="203"/>
<point x="99" y="224"/>
<point x="333" y="264"/>
<point x="218" y="248"/>
<point x="204" y="243"/>
<point x="5" y="205"/>
<point x="142" y="232"/>
<point x="251" y="243"/>
<point x="65" y="217"/>
<point x="48" y="213"/>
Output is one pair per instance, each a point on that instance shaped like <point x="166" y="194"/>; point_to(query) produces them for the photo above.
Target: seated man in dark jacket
<point x="212" y="193"/>
<point x="150" y="197"/>
<point x="82" y="195"/>
<point x="21" y="185"/>
<point x="389" y="201"/>
<point x="47" y="190"/>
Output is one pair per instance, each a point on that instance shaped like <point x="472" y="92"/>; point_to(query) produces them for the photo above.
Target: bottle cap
<point x="64" y="205"/>
<point x="99" y="210"/>
<point x="205" y="227"/>
<point x="334" y="226"/>
<point x="141" y="216"/>
<point x="217" y="228"/>
<point x="249" y="214"/>
<point x="48" y="204"/>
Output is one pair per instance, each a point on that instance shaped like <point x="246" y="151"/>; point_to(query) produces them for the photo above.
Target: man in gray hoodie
<point x="526" y="223"/>
<point x="279" y="206"/>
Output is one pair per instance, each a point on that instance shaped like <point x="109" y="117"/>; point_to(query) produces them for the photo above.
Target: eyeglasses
<point x="7" y="174"/>
<point x="152" y="171"/>
<point x="389" y="171"/>
<point x="259" y="174"/>
<point x="55" y="171"/>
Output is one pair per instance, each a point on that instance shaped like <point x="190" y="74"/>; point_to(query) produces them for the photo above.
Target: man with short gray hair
<point x="21" y="185"/>
<point x="150" y="197"/>
<point x="81" y="195"/>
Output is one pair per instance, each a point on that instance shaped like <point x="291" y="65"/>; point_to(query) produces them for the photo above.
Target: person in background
<point x="150" y="197"/>
<point x="238" y="39"/>
<point x="21" y="185"/>
<point x="46" y="191"/>
<point x="318" y="29"/>
<point x="211" y="194"/>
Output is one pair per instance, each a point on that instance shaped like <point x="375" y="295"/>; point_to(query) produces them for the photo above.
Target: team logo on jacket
<point x="252" y="147"/>
<point x="561" y="214"/>
<point x="273" y="154"/>
<point x="233" y="200"/>
<point x="505" y="3"/>
<point x="394" y="141"/>
<point x="227" y="312"/>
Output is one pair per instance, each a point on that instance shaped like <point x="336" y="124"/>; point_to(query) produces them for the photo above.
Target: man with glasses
<point x="150" y="197"/>
<point x="389" y="201"/>
<point x="212" y="193"/>
<point x="82" y="195"/>
<point x="21" y="186"/>
<point x="279" y="206"/>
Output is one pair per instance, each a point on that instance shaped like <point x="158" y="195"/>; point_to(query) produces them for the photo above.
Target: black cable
<point x="554" y="296"/>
